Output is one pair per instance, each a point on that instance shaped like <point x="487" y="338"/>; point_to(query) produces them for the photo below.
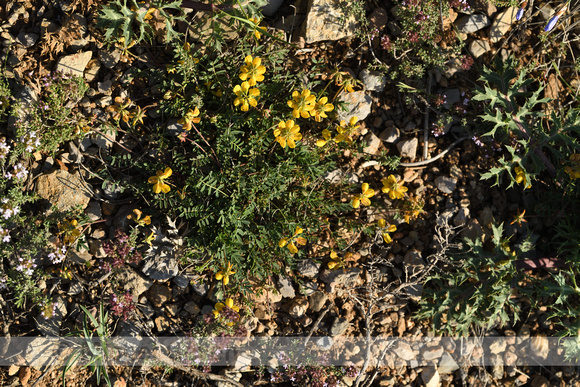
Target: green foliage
<point x="121" y="18"/>
<point x="477" y="287"/>
<point x="49" y="121"/>
<point x="96" y="351"/>
<point x="517" y="121"/>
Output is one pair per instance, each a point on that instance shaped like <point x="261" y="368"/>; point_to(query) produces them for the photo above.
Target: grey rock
<point x="478" y="47"/>
<point x="340" y="277"/>
<point x="472" y="23"/>
<point x="285" y="287"/>
<point x="161" y="264"/>
<point x="461" y="218"/>
<point x="339" y="326"/>
<point x="128" y="341"/>
<point x="27" y="39"/>
<point x="200" y="289"/>
<point x="373" y="80"/>
<point x="447" y="365"/>
<point x="64" y="190"/>
<point x="324" y="343"/>
<point x="244" y="361"/>
<point x="502" y="23"/>
<point x="51" y="326"/>
<point x="372" y="143"/>
<point x="75" y="289"/>
<point x="445" y="184"/>
<point x="413" y="258"/>
<point x="546" y="12"/>
<point x="206" y="309"/>
<point x="378" y="19"/>
<point x="41" y="352"/>
<point x="96" y="248"/>
<point x="74" y="64"/>
<point x="308" y="287"/>
<point x="390" y="135"/>
<point x="358" y="104"/>
<point x="308" y="268"/>
<point x="298" y="307"/>
<point x="104" y="86"/>
<point x="327" y="20"/>
<point x="404" y="351"/>
<point x="317" y="300"/>
<point x="80" y="257"/>
<point x="133" y="281"/>
<point x="109" y="57"/>
<point x="408" y="148"/>
<point x="486" y="217"/>
<point x="93" y="210"/>
<point x="338" y="175"/>
<point x="430" y="377"/>
<point x="181" y="281"/>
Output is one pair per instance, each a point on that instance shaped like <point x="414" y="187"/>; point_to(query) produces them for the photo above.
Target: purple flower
<point x="552" y="23"/>
<point x="520" y="13"/>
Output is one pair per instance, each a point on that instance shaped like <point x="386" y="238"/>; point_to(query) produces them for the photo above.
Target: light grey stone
<point x="308" y="287"/>
<point x="74" y="64"/>
<point x="472" y="23"/>
<point x="408" y="148"/>
<point x="41" y="352"/>
<point x="373" y="80"/>
<point x="430" y="377"/>
<point x="404" y="351"/>
<point x="339" y="326"/>
<point x="447" y="365"/>
<point x="328" y="20"/>
<point x="338" y="175"/>
<point x="324" y="343"/>
<point x="133" y="281"/>
<point x="462" y="216"/>
<point x="80" y="257"/>
<point x="372" y="143"/>
<point x="93" y="210"/>
<point x="502" y="23"/>
<point x="479" y="47"/>
<point x="285" y="287"/>
<point x="445" y="184"/>
<point x="339" y="277"/>
<point x="390" y="135"/>
<point x="161" y="264"/>
<point x="109" y="57"/>
<point x="63" y="189"/>
<point x="308" y="268"/>
<point x="200" y="289"/>
<point x="317" y="300"/>
<point x="358" y="104"/>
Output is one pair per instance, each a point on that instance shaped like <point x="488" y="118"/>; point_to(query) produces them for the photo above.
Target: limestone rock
<point x="502" y="23"/>
<point x="373" y="80"/>
<point x="478" y="47"/>
<point x="445" y="184"/>
<point x="472" y="23"/>
<point x="133" y="281"/>
<point x="64" y="190"/>
<point x="408" y="148"/>
<point x="74" y="64"/>
<point x="358" y="104"/>
<point x="323" y="21"/>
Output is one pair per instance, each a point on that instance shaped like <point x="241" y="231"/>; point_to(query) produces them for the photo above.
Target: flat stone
<point x="502" y="23"/>
<point x="339" y="277"/>
<point x="478" y="47"/>
<point x="133" y="281"/>
<point x="408" y="148"/>
<point x="358" y="104"/>
<point x="472" y="23"/>
<point x="74" y="64"/>
<point x="64" y="190"/>
<point x="430" y="377"/>
<point x="80" y="257"/>
<point x="390" y="135"/>
<point x="308" y="268"/>
<point x="109" y="57"/>
<point x="200" y="289"/>
<point x="373" y="80"/>
<point x="93" y="210"/>
<point x="298" y="307"/>
<point x="27" y="39"/>
<point x="285" y="287"/>
<point x="308" y="287"/>
<point x="404" y="351"/>
<point x="378" y="19"/>
<point x="462" y="216"/>
<point x="372" y="143"/>
<point x="452" y="96"/>
<point x="445" y="184"/>
<point x="317" y="300"/>
<point x="160" y="263"/>
<point x="323" y="21"/>
<point x="191" y="308"/>
<point x="339" y="326"/>
<point x="338" y="175"/>
<point x="447" y="365"/>
<point x="324" y="343"/>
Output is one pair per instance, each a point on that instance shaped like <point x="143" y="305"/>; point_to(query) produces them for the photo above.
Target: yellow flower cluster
<point x="287" y="133"/>
<point x="386" y="229"/>
<point x="136" y="217"/>
<point x="391" y="186"/>
<point x="293" y="241"/>
<point x="257" y="31"/>
<point x="346" y="132"/>
<point x="574" y="169"/>
<point x="69" y="231"/>
<point x="338" y="262"/>
<point x="251" y="73"/>
<point x="221" y="305"/>
<point x="158" y="181"/>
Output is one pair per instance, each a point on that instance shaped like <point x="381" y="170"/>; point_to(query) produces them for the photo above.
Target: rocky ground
<point x="41" y="37"/>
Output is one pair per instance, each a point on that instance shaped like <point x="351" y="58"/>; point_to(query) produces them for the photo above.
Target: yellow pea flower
<point x="257" y="30"/>
<point x="363" y="197"/>
<point x="347" y="132"/>
<point x="287" y="133"/>
<point x="246" y="96"/>
<point x="70" y="231"/>
<point x="320" y="108"/>
<point x="191" y="117"/>
<point x="385" y="230"/>
<point x="302" y="103"/>
<point x="325" y="138"/>
<point x="158" y="181"/>
<point x="136" y="217"/>
<point x="252" y="71"/>
<point x="225" y="273"/>
<point x="521" y="177"/>
<point x="394" y="188"/>
<point x="294" y="240"/>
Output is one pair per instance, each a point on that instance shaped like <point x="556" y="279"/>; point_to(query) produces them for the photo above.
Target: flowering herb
<point x="394" y="187"/>
<point x="293" y="241"/>
<point x="158" y="181"/>
<point x="363" y="197"/>
<point x="245" y="96"/>
<point x="287" y="133"/>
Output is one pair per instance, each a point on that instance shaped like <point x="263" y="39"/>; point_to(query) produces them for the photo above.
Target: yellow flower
<point x="320" y="109"/>
<point x="150" y="238"/>
<point x="253" y="70"/>
<point x="338" y="262"/>
<point x="574" y="169"/>
<point x="519" y="218"/>
<point x="257" y="30"/>
<point x="191" y="117"/>
<point x="521" y="177"/>
<point x="302" y="103"/>
<point x="70" y="231"/>
<point x="225" y="273"/>
<point x="413" y="208"/>
<point x="121" y="109"/>
<point x="325" y="138"/>
<point x="287" y="133"/>
<point x="347" y="132"/>
<point x="149" y="14"/>
<point x="293" y="241"/>
<point x="136" y="217"/>
<point x="386" y="230"/>
<point x="221" y="305"/>
<point x="364" y="197"/>
<point x="394" y="188"/>
<point x="158" y="181"/>
<point x="137" y="115"/>
<point x="245" y="96"/>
